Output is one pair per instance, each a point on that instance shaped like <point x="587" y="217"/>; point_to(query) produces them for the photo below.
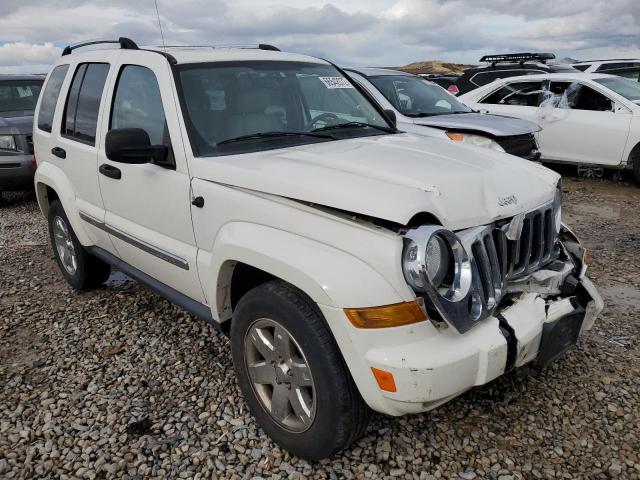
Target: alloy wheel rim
<point x="280" y="375"/>
<point x="64" y="246"/>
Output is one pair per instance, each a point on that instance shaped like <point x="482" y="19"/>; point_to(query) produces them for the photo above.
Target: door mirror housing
<point x="391" y="116"/>
<point x="132" y="145"/>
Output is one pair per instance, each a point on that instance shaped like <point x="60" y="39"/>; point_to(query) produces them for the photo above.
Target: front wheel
<point x="80" y="269"/>
<point x="292" y="374"/>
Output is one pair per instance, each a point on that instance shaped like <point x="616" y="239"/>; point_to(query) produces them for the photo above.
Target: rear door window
<point x="83" y="102"/>
<point x="50" y="97"/>
<point x="524" y="94"/>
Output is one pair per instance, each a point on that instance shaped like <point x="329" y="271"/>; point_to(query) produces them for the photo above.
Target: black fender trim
<point x="194" y="307"/>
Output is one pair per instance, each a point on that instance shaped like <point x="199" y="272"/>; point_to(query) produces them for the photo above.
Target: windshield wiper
<point x="254" y="136"/>
<point x="340" y="126"/>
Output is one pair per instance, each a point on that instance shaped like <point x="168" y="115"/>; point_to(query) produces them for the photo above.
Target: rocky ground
<point x="119" y="383"/>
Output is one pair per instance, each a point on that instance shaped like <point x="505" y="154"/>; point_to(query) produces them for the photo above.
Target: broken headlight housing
<point x="435" y="262"/>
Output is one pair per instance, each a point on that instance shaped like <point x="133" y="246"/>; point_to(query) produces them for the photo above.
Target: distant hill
<point x="434" y="66"/>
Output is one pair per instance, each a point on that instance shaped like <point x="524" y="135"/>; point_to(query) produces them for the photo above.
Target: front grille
<point x="515" y="249"/>
<point x="519" y="145"/>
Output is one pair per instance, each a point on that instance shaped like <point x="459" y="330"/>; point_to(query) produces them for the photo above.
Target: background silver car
<point x="419" y="104"/>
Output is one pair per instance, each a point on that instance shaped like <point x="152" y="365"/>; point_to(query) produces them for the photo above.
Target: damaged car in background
<point x="424" y="108"/>
<point x="588" y="119"/>
<point x="355" y="267"/>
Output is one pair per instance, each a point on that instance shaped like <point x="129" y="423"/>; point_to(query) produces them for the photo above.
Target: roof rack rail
<point x="124" y="42"/>
<point x="260" y="46"/>
<point x="517" y="57"/>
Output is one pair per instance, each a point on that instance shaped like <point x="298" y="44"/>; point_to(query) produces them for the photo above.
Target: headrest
<point x="254" y="100"/>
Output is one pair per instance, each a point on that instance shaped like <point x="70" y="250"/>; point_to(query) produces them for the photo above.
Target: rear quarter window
<point x="83" y="102"/>
<point x="50" y="97"/>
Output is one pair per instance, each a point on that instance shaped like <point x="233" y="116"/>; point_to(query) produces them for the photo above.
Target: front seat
<point x="250" y="116"/>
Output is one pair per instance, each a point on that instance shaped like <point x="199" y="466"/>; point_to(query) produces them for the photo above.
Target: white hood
<point x="392" y="177"/>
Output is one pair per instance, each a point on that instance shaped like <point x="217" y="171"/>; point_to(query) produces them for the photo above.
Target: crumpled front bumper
<point x="431" y="366"/>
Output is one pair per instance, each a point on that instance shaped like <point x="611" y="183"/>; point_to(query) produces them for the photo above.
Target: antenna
<point x="160" y="26"/>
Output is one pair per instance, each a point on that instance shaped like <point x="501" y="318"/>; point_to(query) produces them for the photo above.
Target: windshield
<point x="19" y="97"/>
<point x="235" y="107"/>
<point x="630" y="73"/>
<point x="624" y="87"/>
<point x="414" y="97"/>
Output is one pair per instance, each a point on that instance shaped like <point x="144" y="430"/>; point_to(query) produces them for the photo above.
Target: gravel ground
<point x="119" y="383"/>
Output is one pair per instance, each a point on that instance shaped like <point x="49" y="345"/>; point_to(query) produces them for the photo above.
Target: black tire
<point x="341" y="416"/>
<point x="636" y="169"/>
<point x="90" y="271"/>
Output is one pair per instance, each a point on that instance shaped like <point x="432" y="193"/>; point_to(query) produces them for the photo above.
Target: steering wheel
<point x="322" y="116"/>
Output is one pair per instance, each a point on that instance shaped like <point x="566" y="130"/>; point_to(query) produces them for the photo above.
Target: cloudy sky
<point x="351" y="32"/>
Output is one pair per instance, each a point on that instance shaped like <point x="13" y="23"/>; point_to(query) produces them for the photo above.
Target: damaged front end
<point x="470" y="275"/>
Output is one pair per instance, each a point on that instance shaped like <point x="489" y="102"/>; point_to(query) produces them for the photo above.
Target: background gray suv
<point x="18" y="98"/>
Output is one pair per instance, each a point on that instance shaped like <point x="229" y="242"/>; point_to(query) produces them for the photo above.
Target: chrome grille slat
<point x="501" y="242"/>
<point x="538" y="240"/>
<point x="496" y="272"/>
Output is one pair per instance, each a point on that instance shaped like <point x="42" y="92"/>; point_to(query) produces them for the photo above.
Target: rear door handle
<point x="110" y="171"/>
<point x="59" y="152"/>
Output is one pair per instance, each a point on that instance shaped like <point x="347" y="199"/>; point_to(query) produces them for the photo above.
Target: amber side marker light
<point x="386" y="316"/>
<point x="456" y="137"/>
<point x="385" y="380"/>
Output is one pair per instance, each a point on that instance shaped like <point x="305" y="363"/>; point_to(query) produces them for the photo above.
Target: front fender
<point x="328" y="275"/>
<point x="48" y="175"/>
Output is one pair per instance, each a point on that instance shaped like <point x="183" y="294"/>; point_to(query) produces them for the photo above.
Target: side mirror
<point x="391" y="116"/>
<point x="132" y="145"/>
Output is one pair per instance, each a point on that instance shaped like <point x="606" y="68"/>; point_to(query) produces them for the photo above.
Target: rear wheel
<point x="80" y="269"/>
<point x="292" y="374"/>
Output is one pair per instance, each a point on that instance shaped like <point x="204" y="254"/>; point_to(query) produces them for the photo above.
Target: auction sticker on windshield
<point x="335" y="82"/>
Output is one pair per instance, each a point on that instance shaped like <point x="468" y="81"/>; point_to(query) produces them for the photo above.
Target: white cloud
<point x="21" y="56"/>
<point x="358" y="32"/>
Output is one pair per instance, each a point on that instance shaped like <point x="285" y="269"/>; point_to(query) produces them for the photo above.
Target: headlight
<point x="476" y="140"/>
<point x="435" y="262"/>
<point x="7" y="142"/>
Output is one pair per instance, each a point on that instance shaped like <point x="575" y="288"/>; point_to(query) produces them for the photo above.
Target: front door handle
<point x="59" y="152"/>
<point x="110" y="171"/>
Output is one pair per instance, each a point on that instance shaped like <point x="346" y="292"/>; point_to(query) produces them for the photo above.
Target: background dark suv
<point x="18" y="98"/>
<point x="507" y="65"/>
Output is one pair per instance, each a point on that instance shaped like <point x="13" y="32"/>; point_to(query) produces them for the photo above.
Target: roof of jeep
<point x="225" y="54"/>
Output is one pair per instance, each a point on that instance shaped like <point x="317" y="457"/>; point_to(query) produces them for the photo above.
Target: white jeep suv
<point x="354" y="266"/>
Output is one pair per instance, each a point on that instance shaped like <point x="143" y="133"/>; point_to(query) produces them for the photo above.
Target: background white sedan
<point x="587" y="119"/>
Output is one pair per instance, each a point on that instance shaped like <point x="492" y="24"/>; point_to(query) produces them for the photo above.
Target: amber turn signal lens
<point x="385" y="380"/>
<point x="456" y="137"/>
<point x="387" y="316"/>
